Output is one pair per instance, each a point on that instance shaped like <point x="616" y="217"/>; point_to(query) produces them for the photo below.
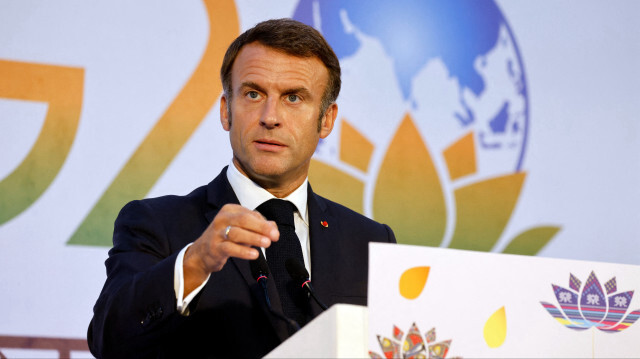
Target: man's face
<point x="275" y="106"/>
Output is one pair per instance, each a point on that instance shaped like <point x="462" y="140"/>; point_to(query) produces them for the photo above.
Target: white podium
<point x="340" y="332"/>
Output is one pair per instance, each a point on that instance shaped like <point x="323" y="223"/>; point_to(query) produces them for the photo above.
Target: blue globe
<point x="455" y="65"/>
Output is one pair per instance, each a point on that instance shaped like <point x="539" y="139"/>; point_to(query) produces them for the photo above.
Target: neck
<point x="280" y="187"/>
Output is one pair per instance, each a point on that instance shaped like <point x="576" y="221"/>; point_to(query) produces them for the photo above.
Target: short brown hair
<point x="293" y="38"/>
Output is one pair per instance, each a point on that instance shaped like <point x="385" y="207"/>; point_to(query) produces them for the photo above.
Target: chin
<point x="265" y="170"/>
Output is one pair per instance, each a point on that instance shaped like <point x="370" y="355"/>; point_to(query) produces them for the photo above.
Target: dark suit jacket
<point x="136" y="316"/>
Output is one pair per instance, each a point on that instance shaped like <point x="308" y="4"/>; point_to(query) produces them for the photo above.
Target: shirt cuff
<point x="178" y="284"/>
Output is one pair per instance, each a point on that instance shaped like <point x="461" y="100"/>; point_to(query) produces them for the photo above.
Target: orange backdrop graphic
<point x="61" y="88"/>
<point x="170" y="133"/>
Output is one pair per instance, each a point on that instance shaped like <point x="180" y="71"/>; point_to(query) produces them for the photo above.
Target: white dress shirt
<point x="250" y="195"/>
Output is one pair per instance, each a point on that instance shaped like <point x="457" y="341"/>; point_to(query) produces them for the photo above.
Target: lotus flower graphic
<point x="589" y="306"/>
<point x="416" y="200"/>
<point x="414" y="345"/>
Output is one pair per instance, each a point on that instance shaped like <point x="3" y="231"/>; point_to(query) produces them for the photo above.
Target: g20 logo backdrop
<point x="436" y="146"/>
<point x="431" y="137"/>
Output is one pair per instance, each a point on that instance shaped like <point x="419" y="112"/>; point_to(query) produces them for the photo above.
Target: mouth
<point x="269" y="145"/>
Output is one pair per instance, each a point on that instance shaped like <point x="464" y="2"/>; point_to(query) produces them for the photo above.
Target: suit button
<point x="158" y="313"/>
<point x="152" y="315"/>
<point x="146" y="320"/>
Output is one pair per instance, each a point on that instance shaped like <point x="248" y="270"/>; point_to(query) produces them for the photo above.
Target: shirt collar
<point x="251" y="195"/>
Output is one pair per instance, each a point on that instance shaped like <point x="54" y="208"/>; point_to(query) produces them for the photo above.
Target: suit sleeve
<point x="136" y="309"/>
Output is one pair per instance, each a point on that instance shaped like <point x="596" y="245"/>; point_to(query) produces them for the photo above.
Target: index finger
<point x="253" y="221"/>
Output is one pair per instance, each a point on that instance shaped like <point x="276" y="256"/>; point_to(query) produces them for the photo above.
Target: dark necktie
<point x="294" y="300"/>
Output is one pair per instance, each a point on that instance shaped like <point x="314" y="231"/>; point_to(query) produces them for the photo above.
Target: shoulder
<point x="168" y="205"/>
<point x="352" y="221"/>
<point x="165" y="223"/>
<point x="168" y="214"/>
<point x="201" y="199"/>
<point x="340" y="211"/>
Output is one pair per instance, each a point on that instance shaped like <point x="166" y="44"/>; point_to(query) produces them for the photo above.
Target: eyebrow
<point x="301" y="90"/>
<point x="252" y="85"/>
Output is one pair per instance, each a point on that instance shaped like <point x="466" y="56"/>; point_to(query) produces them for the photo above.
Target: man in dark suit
<point x="179" y="278"/>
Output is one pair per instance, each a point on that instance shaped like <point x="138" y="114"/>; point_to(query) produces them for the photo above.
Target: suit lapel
<point x="219" y="193"/>
<point x="324" y="236"/>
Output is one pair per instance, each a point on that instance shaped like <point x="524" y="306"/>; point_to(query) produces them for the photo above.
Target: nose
<point x="270" y="114"/>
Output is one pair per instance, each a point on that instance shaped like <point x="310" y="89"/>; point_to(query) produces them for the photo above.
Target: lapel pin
<point x="324" y="224"/>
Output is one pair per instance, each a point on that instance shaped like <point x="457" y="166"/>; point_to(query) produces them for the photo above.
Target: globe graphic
<point x="452" y="66"/>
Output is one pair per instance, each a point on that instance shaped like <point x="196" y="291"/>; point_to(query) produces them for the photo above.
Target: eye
<point x="253" y="95"/>
<point x="293" y="98"/>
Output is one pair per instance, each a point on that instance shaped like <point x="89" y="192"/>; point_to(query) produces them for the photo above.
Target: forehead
<point x="269" y="67"/>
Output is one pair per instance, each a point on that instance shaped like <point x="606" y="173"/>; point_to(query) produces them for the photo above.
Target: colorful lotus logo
<point x="417" y="201"/>
<point x="413" y="347"/>
<point x="588" y="307"/>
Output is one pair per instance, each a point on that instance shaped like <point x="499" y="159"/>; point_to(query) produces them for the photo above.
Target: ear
<point x="224" y="113"/>
<point x="328" y="120"/>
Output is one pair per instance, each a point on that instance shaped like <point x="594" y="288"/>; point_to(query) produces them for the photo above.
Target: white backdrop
<point x="582" y="157"/>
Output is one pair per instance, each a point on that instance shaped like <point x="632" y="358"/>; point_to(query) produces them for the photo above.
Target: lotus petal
<point x="618" y="306"/>
<point x="565" y="297"/>
<point x="530" y="242"/>
<point x="611" y="285"/>
<point x="461" y="157"/>
<point x="483" y="210"/>
<point x="574" y="282"/>
<point x="390" y="348"/>
<point x="355" y="149"/>
<point x="413" y="344"/>
<point x="558" y="315"/>
<point x="439" y="350"/>
<point x="397" y="333"/>
<point x="568" y="301"/>
<point x="626" y="323"/>
<point x="343" y="188"/>
<point x="431" y="335"/>
<point x="408" y="194"/>
<point x="593" y="305"/>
